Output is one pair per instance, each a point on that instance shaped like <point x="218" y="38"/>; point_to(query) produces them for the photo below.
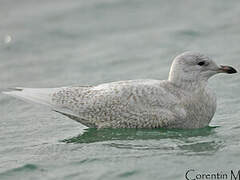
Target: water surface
<point x="59" y="43"/>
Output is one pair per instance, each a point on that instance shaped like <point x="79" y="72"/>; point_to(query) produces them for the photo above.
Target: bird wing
<point x="138" y="103"/>
<point x="134" y="103"/>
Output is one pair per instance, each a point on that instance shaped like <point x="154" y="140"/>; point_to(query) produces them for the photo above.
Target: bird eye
<point x="201" y="63"/>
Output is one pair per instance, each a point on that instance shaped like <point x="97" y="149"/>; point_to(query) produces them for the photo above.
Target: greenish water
<point x="59" y="43"/>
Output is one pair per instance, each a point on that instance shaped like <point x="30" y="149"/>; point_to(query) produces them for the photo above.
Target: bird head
<point x="193" y="68"/>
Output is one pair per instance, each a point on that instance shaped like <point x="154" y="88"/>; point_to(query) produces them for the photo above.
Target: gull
<point x="183" y="101"/>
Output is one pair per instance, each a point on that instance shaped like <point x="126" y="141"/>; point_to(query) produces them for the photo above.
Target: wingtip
<point x="7" y="92"/>
<point x="16" y="89"/>
<point x="4" y="92"/>
<point x="10" y="90"/>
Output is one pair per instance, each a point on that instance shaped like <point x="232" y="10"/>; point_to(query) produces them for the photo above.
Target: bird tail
<point x="44" y="96"/>
<point x="35" y="95"/>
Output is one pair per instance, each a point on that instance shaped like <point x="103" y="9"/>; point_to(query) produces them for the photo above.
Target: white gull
<point x="183" y="101"/>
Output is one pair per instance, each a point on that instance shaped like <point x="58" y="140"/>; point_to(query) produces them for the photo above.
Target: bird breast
<point x="200" y="107"/>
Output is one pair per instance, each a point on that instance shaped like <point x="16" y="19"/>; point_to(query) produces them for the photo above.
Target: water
<point x="58" y="43"/>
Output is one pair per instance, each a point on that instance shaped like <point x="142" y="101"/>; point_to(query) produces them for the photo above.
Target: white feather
<point x="41" y="96"/>
<point x="34" y="95"/>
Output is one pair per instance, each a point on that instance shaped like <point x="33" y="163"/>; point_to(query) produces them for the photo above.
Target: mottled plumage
<point x="182" y="101"/>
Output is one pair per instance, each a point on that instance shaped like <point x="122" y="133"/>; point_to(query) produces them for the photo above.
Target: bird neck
<point x="188" y="84"/>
